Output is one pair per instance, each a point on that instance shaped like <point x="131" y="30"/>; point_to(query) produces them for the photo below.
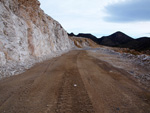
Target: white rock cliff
<point x="27" y="36"/>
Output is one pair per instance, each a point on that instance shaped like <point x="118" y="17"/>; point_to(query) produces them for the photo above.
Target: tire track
<point x="72" y="95"/>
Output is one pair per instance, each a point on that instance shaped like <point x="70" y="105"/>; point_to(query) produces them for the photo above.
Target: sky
<point x="101" y="17"/>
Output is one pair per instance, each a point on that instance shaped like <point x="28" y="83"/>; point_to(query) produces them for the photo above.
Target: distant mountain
<point x="115" y="40"/>
<point x="119" y="39"/>
<point x="86" y="35"/>
<point x="71" y="34"/>
<point x="139" y="44"/>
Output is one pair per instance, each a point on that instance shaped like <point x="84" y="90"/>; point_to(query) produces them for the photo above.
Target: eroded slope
<point x="27" y="35"/>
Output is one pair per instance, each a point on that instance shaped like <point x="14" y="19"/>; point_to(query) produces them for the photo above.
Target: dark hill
<point x="119" y="39"/>
<point x="71" y="34"/>
<point x="86" y="35"/>
<point x="139" y="44"/>
<point x="115" y="40"/>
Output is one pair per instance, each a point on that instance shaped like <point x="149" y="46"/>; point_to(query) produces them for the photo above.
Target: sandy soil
<point x="76" y="82"/>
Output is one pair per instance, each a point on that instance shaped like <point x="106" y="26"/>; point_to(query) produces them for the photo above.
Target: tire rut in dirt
<point x="73" y="97"/>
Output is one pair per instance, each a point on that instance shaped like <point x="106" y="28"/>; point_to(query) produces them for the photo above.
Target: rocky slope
<point x="27" y="35"/>
<point x="81" y="42"/>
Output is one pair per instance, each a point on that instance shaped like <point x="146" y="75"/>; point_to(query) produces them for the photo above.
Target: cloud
<point x="86" y="16"/>
<point x="128" y="11"/>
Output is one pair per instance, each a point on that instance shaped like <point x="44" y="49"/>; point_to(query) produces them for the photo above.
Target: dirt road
<point x="73" y="83"/>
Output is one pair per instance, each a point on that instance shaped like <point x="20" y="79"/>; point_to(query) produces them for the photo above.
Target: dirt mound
<point x="81" y="42"/>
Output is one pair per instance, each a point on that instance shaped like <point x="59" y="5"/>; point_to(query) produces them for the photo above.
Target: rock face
<point x="27" y="34"/>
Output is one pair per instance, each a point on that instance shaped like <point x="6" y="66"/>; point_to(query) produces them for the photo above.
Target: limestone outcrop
<point x="27" y="36"/>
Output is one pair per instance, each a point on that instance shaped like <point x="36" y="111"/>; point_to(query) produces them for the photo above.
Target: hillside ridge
<point x="119" y="39"/>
